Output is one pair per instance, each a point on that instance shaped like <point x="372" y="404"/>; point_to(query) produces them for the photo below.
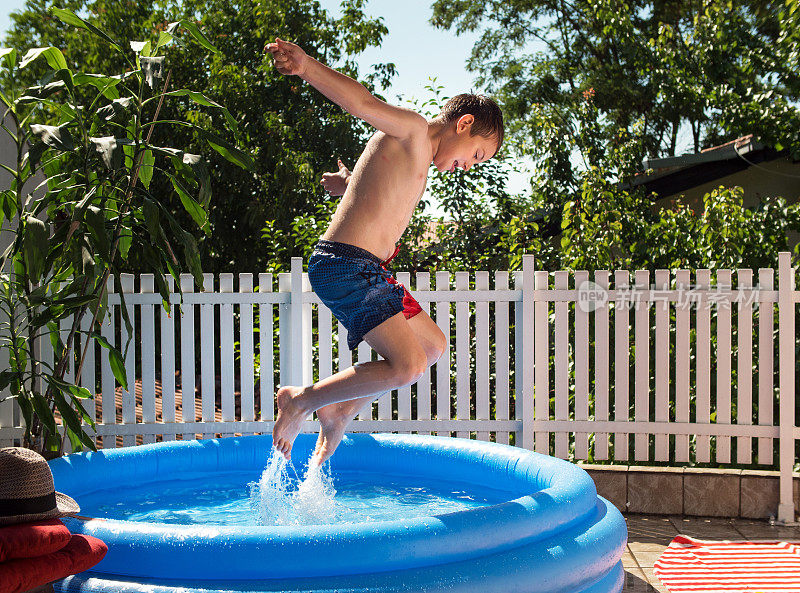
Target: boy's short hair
<point x="487" y="114"/>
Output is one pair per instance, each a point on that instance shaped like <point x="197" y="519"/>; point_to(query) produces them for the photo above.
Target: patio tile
<point x="764" y="531"/>
<point x="654" y="582"/>
<point x="628" y="561"/>
<point x="636" y="582"/>
<point x="644" y="529"/>
<point x="647" y="558"/>
<point x="706" y="527"/>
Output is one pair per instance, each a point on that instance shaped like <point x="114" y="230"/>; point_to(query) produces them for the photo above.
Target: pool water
<point x="242" y="498"/>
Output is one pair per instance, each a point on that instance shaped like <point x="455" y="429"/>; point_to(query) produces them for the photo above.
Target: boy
<point x="347" y="269"/>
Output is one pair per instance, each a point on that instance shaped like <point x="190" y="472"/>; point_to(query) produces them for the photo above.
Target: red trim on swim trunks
<point x="410" y="306"/>
<point x="391" y="257"/>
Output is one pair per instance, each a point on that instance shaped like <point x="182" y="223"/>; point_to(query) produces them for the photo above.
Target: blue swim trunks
<point x="357" y="288"/>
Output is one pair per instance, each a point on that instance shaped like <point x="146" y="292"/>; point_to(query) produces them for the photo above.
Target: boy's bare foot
<point x="290" y="418"/>
<point x="333" y="421"/>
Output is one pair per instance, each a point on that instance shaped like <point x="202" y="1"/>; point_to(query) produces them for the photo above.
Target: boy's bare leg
<point x="405" y="358"/>
<point x="334" y="418"/>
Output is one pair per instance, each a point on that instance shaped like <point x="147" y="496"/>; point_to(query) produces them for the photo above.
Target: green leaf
<point x="193" y="168"/>
<point x="9" y="56"/>
<point x="96" y="222"/>
<point x="110" y="151"/>
<point x="6" y="376"/>
<point x="10" y="206"/>
<point x="35" y="247"/>
<point x="151" y="219"/>
<point x="74" y="440"/>
<point x="68" y="415"/>
<point x="194" y="209"/>
<point x="152" y="68"/>
<point x="27" y="413"/>
<point x="146" y="168"/>
<point x="163" y="39"/>
<point x="53" y="56"/>
<point x="118" y="111"/>
<point x="53" y="442"/>
<point x="55" y="334"/>
<point x="42" y="409"/>
<point x="71" y="18"/>
<point x="57" y="137"/>
<point x="33" y="155"/>
<point x="114" y="359"/>
<point x="107" y="85"/>
<point x="42" y="318"/>
<point x="199" y="98"/>
<point x="192" y="256"/>
<point x="194" y="31"/>
<point x="233" y="154"/>
<point x="125" y="242"/>
<point x="231" y="121"/>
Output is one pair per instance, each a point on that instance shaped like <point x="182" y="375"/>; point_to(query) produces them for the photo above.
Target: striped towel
<point x="696" y="565"/>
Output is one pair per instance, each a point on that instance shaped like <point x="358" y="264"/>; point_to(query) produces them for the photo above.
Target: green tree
<point x="292" y="132"/>
<point x="721" y="68"/>
<point x="94" y="212"/>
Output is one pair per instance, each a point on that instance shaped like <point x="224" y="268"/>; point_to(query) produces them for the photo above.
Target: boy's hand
<point x="289" y="58"/>
<point x="336" y="183"/>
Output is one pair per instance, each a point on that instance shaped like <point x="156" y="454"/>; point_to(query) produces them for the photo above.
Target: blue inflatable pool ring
<point x="554" y="535"/>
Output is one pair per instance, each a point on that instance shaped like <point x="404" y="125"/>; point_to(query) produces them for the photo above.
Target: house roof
<point x="675" y="174"/>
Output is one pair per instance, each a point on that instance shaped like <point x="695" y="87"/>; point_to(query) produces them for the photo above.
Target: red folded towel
<point x="81" y="553"/>
<point x="27" y="540"/>
<point x="690" y="564"/>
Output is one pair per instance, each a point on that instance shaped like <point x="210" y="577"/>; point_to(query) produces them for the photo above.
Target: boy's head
<point x="473" y="132"/>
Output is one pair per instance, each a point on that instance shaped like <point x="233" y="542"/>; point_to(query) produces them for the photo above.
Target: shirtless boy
<point x="347" y="269"/>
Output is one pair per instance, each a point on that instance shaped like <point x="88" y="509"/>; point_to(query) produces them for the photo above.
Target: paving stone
<point x="644" y="529"/>
<point x="646" y="558"/>
<point x="654" y="582"/>
<point x="628" y="561"/>
<point x="636" y="582"/>
<point x="761" y="530"/>
<point x="706" y="528"/>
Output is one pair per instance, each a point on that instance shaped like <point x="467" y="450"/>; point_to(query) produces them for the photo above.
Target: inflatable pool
<point x="549" y="532"/>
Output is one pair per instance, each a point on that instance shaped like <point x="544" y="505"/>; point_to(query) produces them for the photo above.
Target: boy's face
<point x="459" y="150"/>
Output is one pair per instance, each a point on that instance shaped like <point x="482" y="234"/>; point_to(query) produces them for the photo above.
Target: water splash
<point x="276" y="499"/>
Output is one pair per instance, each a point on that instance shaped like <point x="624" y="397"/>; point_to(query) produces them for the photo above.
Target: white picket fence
<point x="559" y="372"/>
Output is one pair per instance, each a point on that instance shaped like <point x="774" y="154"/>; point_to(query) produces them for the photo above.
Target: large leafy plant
<point x="92" y="209"/>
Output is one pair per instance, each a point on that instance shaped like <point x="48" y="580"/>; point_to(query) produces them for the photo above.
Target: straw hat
<point x="27" y="492"/>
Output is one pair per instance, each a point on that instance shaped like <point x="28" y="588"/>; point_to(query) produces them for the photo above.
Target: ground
<point x="648" y="535"/>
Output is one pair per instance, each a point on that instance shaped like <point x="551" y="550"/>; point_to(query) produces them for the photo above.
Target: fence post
<point x="786" y="361"/>
<point x="527" y="352"/>
<point x="296" y="323"/>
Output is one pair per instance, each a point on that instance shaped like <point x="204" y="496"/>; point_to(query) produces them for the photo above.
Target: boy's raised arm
<point x="400" y="122"/>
